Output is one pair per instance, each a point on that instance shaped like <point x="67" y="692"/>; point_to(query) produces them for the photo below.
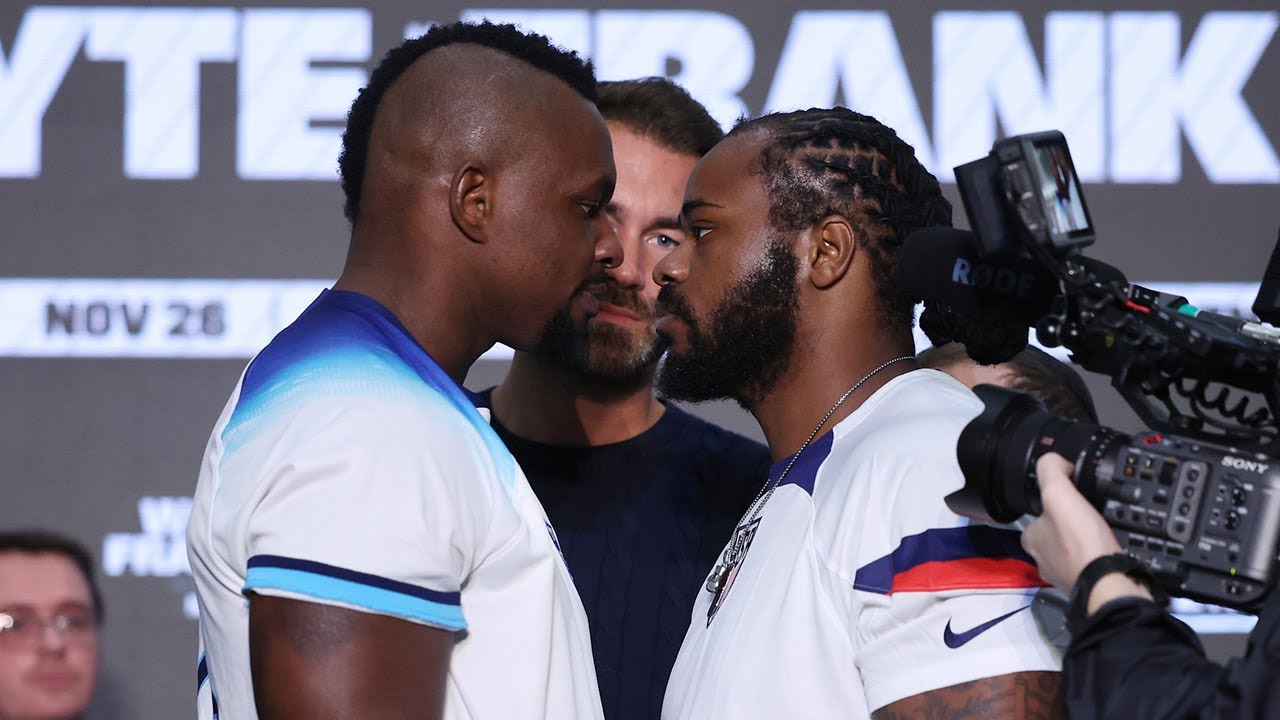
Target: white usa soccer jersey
<point x="860" y="587"/>
<point x="348" y="469"/>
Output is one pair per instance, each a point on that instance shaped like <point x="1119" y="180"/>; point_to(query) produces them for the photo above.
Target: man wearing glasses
<point x="50" y="610"/>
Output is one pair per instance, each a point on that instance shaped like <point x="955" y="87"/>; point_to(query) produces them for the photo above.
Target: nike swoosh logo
<point x="955" y="640"/>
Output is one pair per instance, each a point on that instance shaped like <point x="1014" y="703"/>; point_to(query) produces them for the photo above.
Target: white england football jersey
<point x="348" y="469"/>
<point x="860" y="587"/>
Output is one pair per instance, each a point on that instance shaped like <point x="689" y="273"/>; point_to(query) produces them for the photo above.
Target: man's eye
<point x="590" y="209"/>
<point x="664" y="241"/>
<point x="699" y="232"/>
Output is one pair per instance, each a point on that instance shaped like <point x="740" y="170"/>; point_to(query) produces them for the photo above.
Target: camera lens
<point x="999" y="448"/>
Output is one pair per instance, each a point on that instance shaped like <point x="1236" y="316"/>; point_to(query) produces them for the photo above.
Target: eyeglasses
<point x="24" y="629"/>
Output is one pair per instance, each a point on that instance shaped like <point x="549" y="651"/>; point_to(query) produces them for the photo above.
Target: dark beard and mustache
<point x="603" y="352"/>
<point x="751" y="337"/>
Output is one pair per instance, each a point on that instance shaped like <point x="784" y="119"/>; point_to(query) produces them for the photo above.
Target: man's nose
<point x="673" y="268"/>
<point x="628" y="272"/>
<point x="608" y="247"/>
<point x="51" y="638"/>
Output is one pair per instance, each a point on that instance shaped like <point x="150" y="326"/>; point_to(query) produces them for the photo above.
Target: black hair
<point x="534" y="49"/>
<point x="43" y="541"/>
<point x="1034" y="372"/>
<point x="662" y="111"/>
<point x="822" y="162"/>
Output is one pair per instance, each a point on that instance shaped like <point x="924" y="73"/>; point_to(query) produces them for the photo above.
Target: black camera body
<point x="1197" y="499"/>
<point x="1204" y="518"/>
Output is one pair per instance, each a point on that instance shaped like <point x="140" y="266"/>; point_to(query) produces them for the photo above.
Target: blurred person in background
<point x="50" y="612"/>
<point x="1032" y="371"/>
<point x="642" y="494"/>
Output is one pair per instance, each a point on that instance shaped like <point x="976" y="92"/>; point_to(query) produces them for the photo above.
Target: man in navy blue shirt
<point x="642" y="494"/>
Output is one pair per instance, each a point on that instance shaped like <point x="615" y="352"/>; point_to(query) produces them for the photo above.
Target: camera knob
<point x="1126" y="493"/>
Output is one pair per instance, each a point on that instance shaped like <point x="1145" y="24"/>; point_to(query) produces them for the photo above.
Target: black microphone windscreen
<point x="944" y="265"/>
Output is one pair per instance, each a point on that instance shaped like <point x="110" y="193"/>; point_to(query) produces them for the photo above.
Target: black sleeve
<point x="1134" y="661"/>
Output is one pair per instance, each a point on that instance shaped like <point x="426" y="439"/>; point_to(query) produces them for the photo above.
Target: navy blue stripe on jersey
<point x="356" y="589"/>
<point x="319" y="568"/>
<point x="943" y="545"/>
<point x="805" y="472"/>
<point x="202" y="672"/>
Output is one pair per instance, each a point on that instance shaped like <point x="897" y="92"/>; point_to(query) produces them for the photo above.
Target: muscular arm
<point x="1030" y="695"/>
<point x="317" y="661"/>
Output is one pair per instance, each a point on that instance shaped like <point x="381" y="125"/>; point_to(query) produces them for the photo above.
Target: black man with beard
<point x="849" y="590"/>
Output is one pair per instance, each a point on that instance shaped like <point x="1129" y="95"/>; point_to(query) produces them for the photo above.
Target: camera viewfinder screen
<point x="1060" y="191"/>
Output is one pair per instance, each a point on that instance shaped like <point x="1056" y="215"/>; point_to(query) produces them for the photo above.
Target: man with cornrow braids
<point x="849" y="589"/>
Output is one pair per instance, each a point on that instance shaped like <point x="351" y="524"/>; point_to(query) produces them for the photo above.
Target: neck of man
<point x="436" y="308"/>
<point x="545" y="401"/>
<point x="815" y="379"/>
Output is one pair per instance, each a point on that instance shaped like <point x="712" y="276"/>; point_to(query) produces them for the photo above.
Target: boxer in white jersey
<point x="850" y="590"/>
<point x="362" y="543"/>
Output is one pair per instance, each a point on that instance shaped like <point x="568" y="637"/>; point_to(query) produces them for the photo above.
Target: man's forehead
<point x="729" y="170"/>
<point x="40" y="578"/>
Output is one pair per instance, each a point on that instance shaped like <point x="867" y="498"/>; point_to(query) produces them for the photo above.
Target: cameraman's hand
<point x="1071" y="534"/>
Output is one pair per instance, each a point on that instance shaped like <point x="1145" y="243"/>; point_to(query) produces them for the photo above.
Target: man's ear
<point x="832" y="247"/>
<point x="471" y="201"/>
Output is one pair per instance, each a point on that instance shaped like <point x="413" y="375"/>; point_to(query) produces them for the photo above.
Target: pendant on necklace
<point x="726" y="571"/>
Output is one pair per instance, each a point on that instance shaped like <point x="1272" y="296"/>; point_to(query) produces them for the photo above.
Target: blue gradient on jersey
<point x="346" y="343"/>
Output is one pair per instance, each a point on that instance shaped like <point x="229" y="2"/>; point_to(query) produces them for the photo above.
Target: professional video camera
<point x="1197" y="498"/>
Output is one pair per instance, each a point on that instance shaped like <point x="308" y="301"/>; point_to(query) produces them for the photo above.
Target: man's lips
<point x="617" y="314"/>
<point x="54" y="679"/>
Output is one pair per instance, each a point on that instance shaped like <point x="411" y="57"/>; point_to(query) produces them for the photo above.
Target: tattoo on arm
<point x="1025" y="695"/>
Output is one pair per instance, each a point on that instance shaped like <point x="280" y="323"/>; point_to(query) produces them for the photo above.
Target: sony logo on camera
<point x="1242" y="464"/>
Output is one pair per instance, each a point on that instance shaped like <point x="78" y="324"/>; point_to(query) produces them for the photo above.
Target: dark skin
<point x="319" y="661"/>
<point x="470" y="234"/>
<point x="838" y="341"/>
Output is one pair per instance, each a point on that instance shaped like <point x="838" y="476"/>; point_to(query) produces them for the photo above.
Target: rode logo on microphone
<point x="1242" y="464"/>
<point x="997" y="279"/>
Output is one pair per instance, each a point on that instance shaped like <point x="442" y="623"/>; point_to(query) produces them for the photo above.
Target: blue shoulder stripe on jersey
<point x="805" y="472"/>
<point x="327" y="582"/>
<point x="940" y="544"/>
<point x="349" y="340"/>
<point x="202" y="672"/>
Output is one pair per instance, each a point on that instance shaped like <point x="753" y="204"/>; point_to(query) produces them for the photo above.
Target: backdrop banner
<point x="169" y="200"/>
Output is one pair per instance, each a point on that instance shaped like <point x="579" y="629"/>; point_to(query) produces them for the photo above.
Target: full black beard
<point x="752" y="336"/>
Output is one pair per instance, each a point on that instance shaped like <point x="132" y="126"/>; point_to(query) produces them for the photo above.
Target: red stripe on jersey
<point x="977" y="573"/>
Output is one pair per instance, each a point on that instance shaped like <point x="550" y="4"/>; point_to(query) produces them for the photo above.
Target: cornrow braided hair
<point x="823" y="162"/>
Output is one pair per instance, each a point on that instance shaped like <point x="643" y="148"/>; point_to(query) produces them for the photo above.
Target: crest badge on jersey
<point x="742" y="538"/>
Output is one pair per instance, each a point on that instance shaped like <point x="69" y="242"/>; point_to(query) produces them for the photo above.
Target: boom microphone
<point x="943" y="265"/>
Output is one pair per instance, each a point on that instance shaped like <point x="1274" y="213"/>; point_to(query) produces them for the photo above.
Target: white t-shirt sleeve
<point x="373" y="506"/>
<point x="922" y="641"/>
<point x="942" y="601"/>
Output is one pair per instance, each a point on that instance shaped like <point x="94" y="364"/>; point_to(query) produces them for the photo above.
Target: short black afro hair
<point x="531" y="48"/>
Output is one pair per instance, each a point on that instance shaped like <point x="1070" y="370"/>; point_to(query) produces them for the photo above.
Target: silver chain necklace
<point x="733" y="554"/>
